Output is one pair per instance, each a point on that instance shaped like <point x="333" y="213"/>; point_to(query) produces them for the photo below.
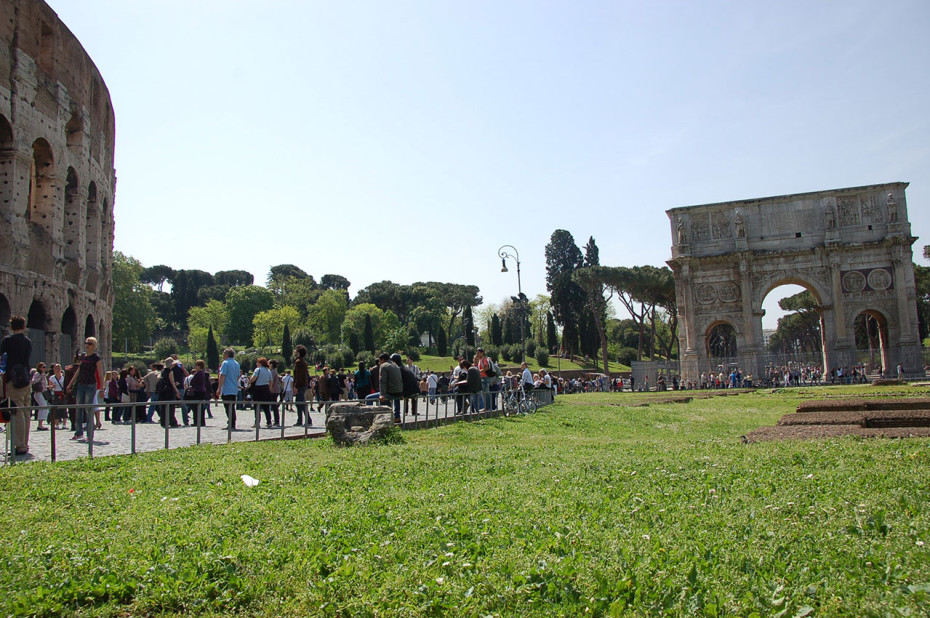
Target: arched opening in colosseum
<point x="5" y="315"/>
<point x="74" y="130"/>
<point x="72" y="223"/>
<point x="92" y="227"/>
<point x="90" y="329"/>
<point x="68" y="342"/>
<point x="105" y="225"/>
<point x="871" y="331"/>
<point x="36" y="329"/>
<point x="47" y="49"/>
<point x="41" y="203"/>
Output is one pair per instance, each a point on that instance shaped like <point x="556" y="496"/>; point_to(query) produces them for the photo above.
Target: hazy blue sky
<point x="409" y="140"/>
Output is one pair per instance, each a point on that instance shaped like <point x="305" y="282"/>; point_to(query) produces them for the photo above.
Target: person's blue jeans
<point x="150" y="417"/>
<point x="485" y="399"/>
<point x="301" y="399"/>
<point x="84" y="394"/>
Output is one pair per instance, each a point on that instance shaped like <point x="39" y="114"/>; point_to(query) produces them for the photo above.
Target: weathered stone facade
<point x="850" y="247"/>
<point x="57" y="184"/>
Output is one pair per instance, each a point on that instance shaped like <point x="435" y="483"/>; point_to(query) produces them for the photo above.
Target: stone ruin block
<point x="354" y="423"/>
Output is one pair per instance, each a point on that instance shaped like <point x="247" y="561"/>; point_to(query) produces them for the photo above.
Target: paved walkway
<point x="119" y="440"/>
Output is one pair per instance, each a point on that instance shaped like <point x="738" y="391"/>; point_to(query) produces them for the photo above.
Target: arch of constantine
<point x="57" y="183"/>
<point x="851" y="248"/>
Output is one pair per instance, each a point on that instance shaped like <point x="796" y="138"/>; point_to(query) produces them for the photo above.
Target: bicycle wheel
<point x="528" y="406"/>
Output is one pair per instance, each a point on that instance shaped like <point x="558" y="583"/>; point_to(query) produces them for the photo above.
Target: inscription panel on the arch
<point x="867" y="280"/>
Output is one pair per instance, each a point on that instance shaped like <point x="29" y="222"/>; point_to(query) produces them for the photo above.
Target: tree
<point x="326" y="315"/>
<point x="335" y="282"/>
<point x="799" y="330"/>
<point x="243" y="303"/>
<point x="287" y="346"/>
<point x="497" y="334"/>
<point x="213" y="353"/>
<point x="133" y="314"/>
<point x="442" y="345"/>
<point x="567" y="298"/>
<point x="369" y="335"/>
<point x="200" y="320"/>
<point x="156" y="276"/>
<point x="386" y="295"/>
<point x="593" y="280"/>
<point x="184" y="288"/>
<point x="469" y="327"/>
<point x="269" y="325"/>
<point x="232" y="278"/>
<point x="552" y="336"/>
<point x="922" y="283"/>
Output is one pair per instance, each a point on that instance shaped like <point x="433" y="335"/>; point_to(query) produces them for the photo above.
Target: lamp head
<point x="504" y="266"/>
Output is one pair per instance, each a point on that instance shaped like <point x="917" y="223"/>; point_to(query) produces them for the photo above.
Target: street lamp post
<point x="520" y="298"/>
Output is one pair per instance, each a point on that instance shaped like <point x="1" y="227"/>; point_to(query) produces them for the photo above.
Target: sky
<point x="408" y="141"/>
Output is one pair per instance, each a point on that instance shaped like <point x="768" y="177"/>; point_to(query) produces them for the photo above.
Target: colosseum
<point x="57" y="183"/>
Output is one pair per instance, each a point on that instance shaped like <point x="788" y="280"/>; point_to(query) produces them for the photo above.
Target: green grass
<point x="591" y="506"/>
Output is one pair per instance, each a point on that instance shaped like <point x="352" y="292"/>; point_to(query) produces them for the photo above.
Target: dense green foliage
<point x="133" y="314"/>
<point x="590" y="507"/>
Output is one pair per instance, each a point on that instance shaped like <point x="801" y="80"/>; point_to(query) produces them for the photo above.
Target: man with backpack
<point x="16" y="383"/>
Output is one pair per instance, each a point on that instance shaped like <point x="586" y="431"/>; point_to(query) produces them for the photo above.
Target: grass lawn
<point x="442" y="364"/>
<point x="591" y="506"/>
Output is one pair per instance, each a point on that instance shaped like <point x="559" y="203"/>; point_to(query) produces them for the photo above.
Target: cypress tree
<point x="287" y="346"/>
<point x="441" y="343"/>
<point x="369" y="334"/>
<point x="213" y="353"/>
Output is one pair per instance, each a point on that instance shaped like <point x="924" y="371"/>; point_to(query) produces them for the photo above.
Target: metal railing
<point x="415" y="412"/>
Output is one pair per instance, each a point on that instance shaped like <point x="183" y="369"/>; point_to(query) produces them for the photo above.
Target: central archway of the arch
<point x="850" y="247"/>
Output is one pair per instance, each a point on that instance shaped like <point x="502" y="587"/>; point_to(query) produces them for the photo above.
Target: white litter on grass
<point x="249" y="481"/>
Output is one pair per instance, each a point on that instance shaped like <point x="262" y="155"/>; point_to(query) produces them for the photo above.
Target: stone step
<point x="868" y="419"/>
<point x="862" y="404"/>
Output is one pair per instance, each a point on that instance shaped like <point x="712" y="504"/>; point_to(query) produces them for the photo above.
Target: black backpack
<point x="411" y="384"/>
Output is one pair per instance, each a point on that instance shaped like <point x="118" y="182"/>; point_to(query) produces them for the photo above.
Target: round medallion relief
<point x="879" y="279"/>
<point x="705" y="294"/>
<point x="728" y="292"/>
<point x="853" y="281"/>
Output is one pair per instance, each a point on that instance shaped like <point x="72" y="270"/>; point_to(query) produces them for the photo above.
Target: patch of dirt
<point x="871" y="418"/>
<point x="813" y="432"/>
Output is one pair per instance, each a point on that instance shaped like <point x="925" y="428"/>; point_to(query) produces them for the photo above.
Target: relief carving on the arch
<point x="868" y="283"/>
<point x="848" y="208"/>
<point x="716" y="297"/>
<point x="700" y="231"/>
<point x="871" y="210"/>
<point x="720" y="225"/>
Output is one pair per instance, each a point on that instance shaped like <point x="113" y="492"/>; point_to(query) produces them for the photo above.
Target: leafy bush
<point x="542" y="356"/>
<point x="493" y="352"/>
<point x="413" y="354"/>
<point x="531" y="347"/>
<point x="507" y="352"/>
<point x="365" y="356"/>
<point x="165" y="347"/>
<point x="335" y="356"/>
<point x="626" y="356"/>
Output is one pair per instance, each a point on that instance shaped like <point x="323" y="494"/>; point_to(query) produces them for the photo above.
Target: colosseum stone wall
<point x="57" y="183"/>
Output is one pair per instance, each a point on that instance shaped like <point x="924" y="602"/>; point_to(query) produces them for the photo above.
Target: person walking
<point x="301" y="384"/>
<point x="87" y="380"/>
<point x="16" y="384"/>
<point x="228" y="386"/>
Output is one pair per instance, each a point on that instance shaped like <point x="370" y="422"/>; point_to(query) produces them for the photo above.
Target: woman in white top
<point x="261" y="391"/>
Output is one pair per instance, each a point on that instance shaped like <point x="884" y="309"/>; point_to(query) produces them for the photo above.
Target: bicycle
<point x="518" y="402"/>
